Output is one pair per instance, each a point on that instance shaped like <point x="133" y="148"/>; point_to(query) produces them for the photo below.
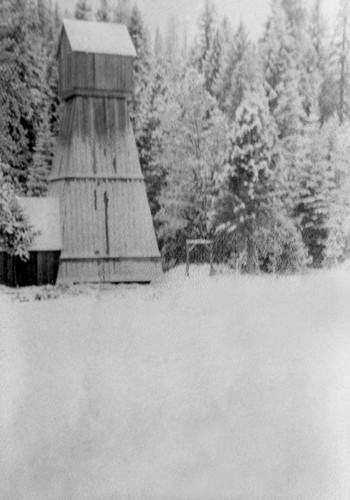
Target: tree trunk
<point x="251" y="267"/>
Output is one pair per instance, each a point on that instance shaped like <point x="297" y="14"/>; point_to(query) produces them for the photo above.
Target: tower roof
<point x="99" y="38"/>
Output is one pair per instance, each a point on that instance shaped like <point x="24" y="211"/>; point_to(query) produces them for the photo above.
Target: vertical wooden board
<point x="90" y="71"/>
<point x="2" y="269"/>
<point x="99" y="78"/>
<point x="44" y="266"/>
<point x="71" y="219"/>
<point x="79" y="194"/>
<point x="118" y="143"/>
<point x="41" y="269"/>
<point x="120" y="72"/>
<point x="89" y="248"/>
<point x="129" y="74"/>
<point x="91" y="209"/>
<point x="77" y="70"/>
<point x="117" y="73"/>
<point x="113" y="218"/>
<point x="26" y="271"/>
<point x="110" y="83"/>
<point x="122" y="115"/>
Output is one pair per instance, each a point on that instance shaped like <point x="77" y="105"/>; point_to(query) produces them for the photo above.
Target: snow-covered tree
<point x="193" y="139"/>
<point x="338" y="242"/>
<point x="314" y="183"/>
<point x="246" y="182"/>
<point x="122" y="11"/>
<point x="16" y="234"/>
<point x="340" y="61"/>
<point x="206" y="34"/>
<point x="23" y="85"/>
<point x="104" y="12"/>
<point x="238" y="72"/>
<point x="82" y="10"/>
<point x="38" y="178"/>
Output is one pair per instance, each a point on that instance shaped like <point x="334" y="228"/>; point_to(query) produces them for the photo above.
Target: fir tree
<point x="154" y="98"/>
<point x="314" y="189"/>
<point x="338" y="242"/>
<point x="42" y="159"/>
<point x="341" y="62"/>
<point x="172" y="44"/>
<point x="158" y="47"/>
<point x="82" y="10"/>
<point x="122" y="12"/>
<point x="193" y="138"/>
<point x="238" y="73"/>
<point x="207" y="27"/>
<point x="140" y="38"/>
<point x="16" y="234"/>
<point x="104" y="12"/>
<point x="23" y="86"/>
<point x="213" y="62"/>
<point x="246" y="182"/>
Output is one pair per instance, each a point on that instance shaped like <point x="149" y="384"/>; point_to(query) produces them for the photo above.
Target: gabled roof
<point x="99" y="38"/>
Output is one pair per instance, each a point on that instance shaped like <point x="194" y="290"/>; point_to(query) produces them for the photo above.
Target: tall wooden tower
<point x="107" y="229"/>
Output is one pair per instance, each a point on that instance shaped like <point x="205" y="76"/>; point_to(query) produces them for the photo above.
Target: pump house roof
<point x="99" y="38"/>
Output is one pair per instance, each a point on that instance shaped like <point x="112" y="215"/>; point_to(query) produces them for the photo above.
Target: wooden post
<point x="190" y="245"/>
<point x="187" y="260"/>
<point x="211" y="272"/>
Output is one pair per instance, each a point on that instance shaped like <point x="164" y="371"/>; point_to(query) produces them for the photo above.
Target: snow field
<point x="224" y="387"/>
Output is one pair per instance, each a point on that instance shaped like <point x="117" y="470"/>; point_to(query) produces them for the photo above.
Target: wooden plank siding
<point x="97" y="158"/>
<point x="94" y="74"/>
<point x="100" y="142"/>
<point x="40" y="269"/>
<point x="107" y="228"/>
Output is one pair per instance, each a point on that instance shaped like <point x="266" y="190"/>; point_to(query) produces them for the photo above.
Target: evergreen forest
<point x="243" y="141"/>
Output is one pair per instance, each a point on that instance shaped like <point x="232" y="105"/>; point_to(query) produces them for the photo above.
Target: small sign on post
<point x="191" y="244"/>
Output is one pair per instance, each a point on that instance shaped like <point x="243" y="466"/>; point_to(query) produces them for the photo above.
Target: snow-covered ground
<point x="223" y="387"/>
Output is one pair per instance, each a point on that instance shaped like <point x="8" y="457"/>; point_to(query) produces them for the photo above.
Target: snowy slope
<point x="223" y="387"/>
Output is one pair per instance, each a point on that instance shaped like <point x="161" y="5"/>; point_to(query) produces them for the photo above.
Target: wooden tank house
<point x="107" y="228"/>
<point x="42" y="266"/>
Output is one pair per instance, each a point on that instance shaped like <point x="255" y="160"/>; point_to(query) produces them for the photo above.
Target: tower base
<point x="109" y="270"/>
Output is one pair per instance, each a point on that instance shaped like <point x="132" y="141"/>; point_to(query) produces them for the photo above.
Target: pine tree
<point x="246" y="182"/>
<point x="238" y="73"/>
<point x="82" y="10"/>
<point x="290" y="62"/>
<point x="122" y="12"/>
<point x="141" y="41"/>
<point x="172" y="44"/>
<point x="16" y="234"/>
<point x="341" y="61"/>
<point x="154" y="98"/>
<point x="338" y="242"/>
<point x="192" y="141"/>
<point x="327" y="98"/>
<point x="206" y="53"/>
<point x="104" y="12"/>
<point x="23" y="85"/>
<point x="315" y="182"/>
<point x="158" y="46"/>
<point x="213" y="62"/>
<point x="42" y="159"/>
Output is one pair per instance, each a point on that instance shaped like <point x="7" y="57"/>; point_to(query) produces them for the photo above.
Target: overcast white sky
<point x="252" y="12"/>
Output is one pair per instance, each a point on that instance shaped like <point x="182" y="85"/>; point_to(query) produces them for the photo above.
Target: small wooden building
<point x="107" y="227"/>
<point x="42" y="266"/>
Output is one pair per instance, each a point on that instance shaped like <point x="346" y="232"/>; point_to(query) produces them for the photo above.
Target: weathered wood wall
<point x="93" y="74"/>
<point x="40" y="269"/>
<point x="107" y="227"/>
<point x="108" y="231"/>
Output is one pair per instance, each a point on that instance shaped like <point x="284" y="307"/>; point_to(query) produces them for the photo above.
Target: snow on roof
<point x="44" y="216"/>
<point x="99" y="38"/>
